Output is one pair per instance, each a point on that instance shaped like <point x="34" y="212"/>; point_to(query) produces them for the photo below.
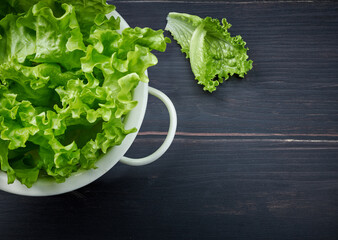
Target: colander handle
<point x="168" y="140"/>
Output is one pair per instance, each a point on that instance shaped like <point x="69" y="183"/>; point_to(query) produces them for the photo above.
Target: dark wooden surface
<point x="257" y="159"/>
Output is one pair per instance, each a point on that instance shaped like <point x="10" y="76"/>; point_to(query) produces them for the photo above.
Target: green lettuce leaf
<point x="91" y="13"/>
<point x="58" y="39"/>
<point x="4" y="161"/>
<point x="16" y="121"/>
<point x="214" y="54"/>
<point x="21" y="6"/>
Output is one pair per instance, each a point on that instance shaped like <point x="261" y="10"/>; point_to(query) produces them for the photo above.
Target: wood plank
<point x="210" y="190"/>
<point x="291" y="89"/>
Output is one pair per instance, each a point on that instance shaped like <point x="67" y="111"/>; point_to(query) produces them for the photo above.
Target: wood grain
<point x="257" y="159"/>
<point x="292" y="87"/>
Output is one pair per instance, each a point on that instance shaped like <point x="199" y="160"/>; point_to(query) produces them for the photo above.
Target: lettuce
<point x="66" y="82"/>
<point x="214" y="54"/>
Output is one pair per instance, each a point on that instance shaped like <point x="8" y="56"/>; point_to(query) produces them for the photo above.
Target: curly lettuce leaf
<point x="16" y="127"/>
<point x="21" y="6"/>
<point x="25" y="170"/>
<point x="16" y="41"/>
<point x="16" y="121"/>
<point x="91" y="13"/>
<point x="58" y="39"/>
<point x="214" y="54"/>
<point x="18" y="6"/>
<point x="4" y="161"/>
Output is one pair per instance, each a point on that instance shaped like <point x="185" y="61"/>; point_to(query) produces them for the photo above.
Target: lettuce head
<point x="66" y="82"/>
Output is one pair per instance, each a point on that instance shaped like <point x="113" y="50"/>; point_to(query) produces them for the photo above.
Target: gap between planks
<point x="290" y="137"/>
<point x="190" y="134"/>
<point x="221" y="2"/>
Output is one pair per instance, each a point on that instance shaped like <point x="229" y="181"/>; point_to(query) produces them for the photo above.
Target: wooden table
<point x="257" y="159"/>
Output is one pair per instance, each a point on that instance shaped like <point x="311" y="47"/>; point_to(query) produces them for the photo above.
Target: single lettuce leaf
<point x="4" y="161"/>
<point x="91" y="13"/>
<point x="214" y="54"/>
<point x="16" y="41"/>
<point x="58" y="40"/>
